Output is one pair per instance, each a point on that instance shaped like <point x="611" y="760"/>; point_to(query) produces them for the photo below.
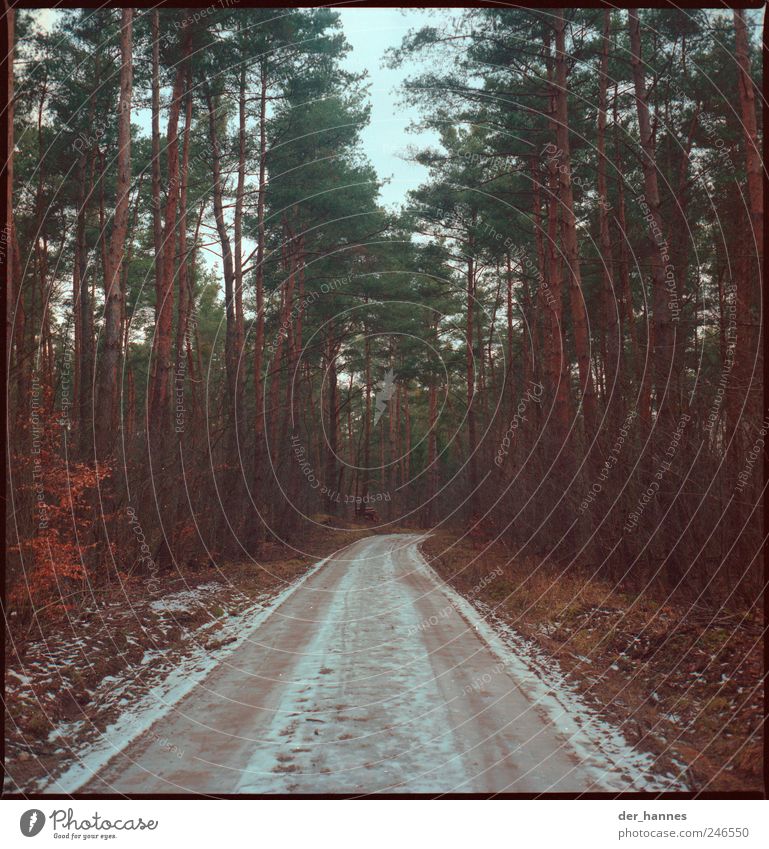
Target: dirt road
<point x="369" y="678"/>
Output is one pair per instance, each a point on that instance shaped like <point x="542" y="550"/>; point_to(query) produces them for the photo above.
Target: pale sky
<point x="371" y="32"/>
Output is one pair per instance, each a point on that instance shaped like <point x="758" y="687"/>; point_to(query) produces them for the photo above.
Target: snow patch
<point x="185" y="601"/>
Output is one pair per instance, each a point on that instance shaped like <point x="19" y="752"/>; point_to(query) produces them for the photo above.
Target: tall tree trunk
<point x="131" y="402"/>
<point x="332" y="404"/>
<point x="432" y="449"/>
<point x="367" y="422"/>
<point x="509" y="305"/>
<point x="610" y="300"/>
<point x="552" y="297"/>
<point x="194" y="359"/>
<point x="661" y="327"/>
<point x="472" y="460"/>
<point x="238" y="245"/>
<point x="569" y="229"/>
<point x="162" y="366"/>
<point x="8" y="235"/>
<point x="748" y="353"/>
<point x="183" y="310"/>
<point x="407" y="428"/>
<point x="351" y="451"/>
<point x="400" y="472"/>
<point x="157" y="222"/>
<point x="259" y="428"/>
<point x="294" y="383"/>
<point x="76" y="303"/>
<point x="540" y="329"/>
<point x="227" y="264"/>
<point x="752" y="147"/>
<point x="391" y="474"/>
<point x="15" y="314"/>
<point x="627" y="312"/>
<point x="84" y="312"/>
<point x="285" y="337"/>
<point x="557" y="370"/>
<point x="40" y="246"/>
<point x="108" y="420"/>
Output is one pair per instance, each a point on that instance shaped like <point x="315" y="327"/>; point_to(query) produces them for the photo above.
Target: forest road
<point x="365" y="680"/>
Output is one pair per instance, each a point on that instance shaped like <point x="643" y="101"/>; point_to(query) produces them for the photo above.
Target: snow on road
<point x="146" y="710"/>
<point x="372" y="676"/>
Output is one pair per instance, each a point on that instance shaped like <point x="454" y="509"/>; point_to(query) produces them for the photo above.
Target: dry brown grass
<point x="680" y="682"/>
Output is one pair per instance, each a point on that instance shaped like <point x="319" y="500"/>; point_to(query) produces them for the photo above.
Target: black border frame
<point x="544" y="4"/>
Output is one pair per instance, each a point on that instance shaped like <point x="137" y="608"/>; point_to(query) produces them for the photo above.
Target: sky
<point x="370" y="33"/>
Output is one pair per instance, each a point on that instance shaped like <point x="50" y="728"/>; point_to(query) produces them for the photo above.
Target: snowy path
<point x="369" y="679"/>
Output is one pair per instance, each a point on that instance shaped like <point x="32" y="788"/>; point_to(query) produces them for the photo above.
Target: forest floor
<point x="682" y="683"/>
<point x="76" y="675"/>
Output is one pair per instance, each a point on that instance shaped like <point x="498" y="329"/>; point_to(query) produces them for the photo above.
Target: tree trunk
<point x="472" y="460"/>
<point x="238" y="245"/>
<point x="407" y="428"/>
<point x="610" y="301"/>
<point x="183" y="310"/>
<point x="157" y="222"/>
<point x="432" y="450"/>
<point x="108" y="421"/>
<point x="661" y="327"/>
<point x="552" y="296"/>
<point x="77" y="305"/>
<point x="509" y="304"/>
<point x="752" y="146"/>
<point x="294" y="384"/>
<point x="259" y="428"/>
<point x="332" y="351"/>
<point x="747" y="367"/>
<point x="162" y="366"/>
<point x="367" y="422"/>
<point x="627" y="313"/>
<point x="540" y="328"/>
<point x="569" y="230"/>
<point x="227" y="266"/>
<point x="285" y="340"/>
<point x="8" y="235"/>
